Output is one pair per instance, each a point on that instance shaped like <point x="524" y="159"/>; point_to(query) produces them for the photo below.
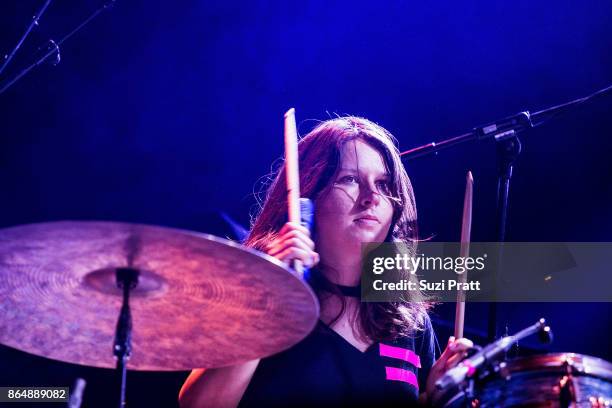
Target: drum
<point x="548" y="380"/>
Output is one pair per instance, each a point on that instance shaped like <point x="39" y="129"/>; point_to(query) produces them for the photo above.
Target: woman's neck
<point x="345" y="272"/>
<point x="331" y="306"/>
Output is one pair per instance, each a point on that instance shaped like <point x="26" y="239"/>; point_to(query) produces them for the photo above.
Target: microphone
<point x="468" y="367"/>
<point x="504" y="128"/>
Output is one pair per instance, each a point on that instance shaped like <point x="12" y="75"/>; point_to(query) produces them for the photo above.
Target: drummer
<point x="359" y="354"/>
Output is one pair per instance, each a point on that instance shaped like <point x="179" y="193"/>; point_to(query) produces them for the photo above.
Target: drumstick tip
<point x="469" y="177"/>
<point x="290" y="112"/>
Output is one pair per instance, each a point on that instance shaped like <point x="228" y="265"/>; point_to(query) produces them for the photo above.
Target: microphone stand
<point x="508" y="147"/>
<point x="9" y="57"/>
<point x="498" y="129"/>
<point x="53" y="47"/>
<point x="483" y="359"/>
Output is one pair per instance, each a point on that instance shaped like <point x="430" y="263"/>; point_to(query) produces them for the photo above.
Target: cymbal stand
<point x="127" y="279"/>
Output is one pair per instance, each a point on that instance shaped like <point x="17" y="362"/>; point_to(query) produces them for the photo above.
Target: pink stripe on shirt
<point x="398" y="374"/>
<point x="401" y="354"/>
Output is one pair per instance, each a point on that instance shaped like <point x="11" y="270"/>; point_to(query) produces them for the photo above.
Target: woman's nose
<point x="369" y="197"/>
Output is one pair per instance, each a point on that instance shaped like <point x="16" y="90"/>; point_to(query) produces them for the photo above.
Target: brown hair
<point x="319" y="159"/>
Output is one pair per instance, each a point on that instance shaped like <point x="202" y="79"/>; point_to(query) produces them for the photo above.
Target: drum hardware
<point x="127" y="279"/>
<point x="502" y="370"/>
<point x="567" y="393"/>
<point x="600" y="402"/>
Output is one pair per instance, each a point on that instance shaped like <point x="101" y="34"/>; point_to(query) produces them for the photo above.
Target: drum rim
<point x="576" y="363"/>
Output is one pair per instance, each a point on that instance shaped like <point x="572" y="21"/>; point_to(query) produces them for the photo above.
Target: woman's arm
<point x="217" y="387"/>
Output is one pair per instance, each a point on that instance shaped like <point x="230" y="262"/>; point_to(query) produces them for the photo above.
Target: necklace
<point x="350" y="291"/>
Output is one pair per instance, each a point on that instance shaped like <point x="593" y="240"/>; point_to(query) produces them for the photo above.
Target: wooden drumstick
<point x="466" y="229"/>
<point x="293" y="175"/>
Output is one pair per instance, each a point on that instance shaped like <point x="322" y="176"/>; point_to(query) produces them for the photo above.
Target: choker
<point x="350" y="291"/>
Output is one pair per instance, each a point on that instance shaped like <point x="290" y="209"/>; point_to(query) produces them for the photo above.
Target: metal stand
<point x="33" y="23"/>
<point x="53" y="47"/>
<point x="508" y="150"/>
<point x="127" y="279"/>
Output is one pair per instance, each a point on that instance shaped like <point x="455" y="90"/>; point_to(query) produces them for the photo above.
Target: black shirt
<point x="326" y="370"/>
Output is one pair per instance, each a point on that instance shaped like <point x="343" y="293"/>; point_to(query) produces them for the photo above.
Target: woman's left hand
<point x="455" y="351"/>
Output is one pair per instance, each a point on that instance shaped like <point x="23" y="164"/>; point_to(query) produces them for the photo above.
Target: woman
<point x="360" y="354"/>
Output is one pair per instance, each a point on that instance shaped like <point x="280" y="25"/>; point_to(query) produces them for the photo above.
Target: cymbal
<point x="201" y="301"/>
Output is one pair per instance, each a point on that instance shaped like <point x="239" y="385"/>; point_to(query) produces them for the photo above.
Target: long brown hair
<point x="319" y="159"/>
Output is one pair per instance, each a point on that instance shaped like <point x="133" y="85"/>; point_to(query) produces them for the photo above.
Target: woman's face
<point x="356" y="208"/>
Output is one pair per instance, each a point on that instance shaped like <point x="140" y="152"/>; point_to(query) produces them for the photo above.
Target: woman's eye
<point x="348" y="179"/>
<point x="383" y="186"/>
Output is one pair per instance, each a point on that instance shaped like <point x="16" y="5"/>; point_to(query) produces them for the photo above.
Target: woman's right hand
<point x="293" y="242"/>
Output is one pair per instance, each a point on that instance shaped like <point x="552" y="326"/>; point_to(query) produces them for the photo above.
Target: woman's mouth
<point x="367" y="220"/>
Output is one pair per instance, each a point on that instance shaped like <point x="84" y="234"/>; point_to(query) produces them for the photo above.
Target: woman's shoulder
<point x="422" y="339"/>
